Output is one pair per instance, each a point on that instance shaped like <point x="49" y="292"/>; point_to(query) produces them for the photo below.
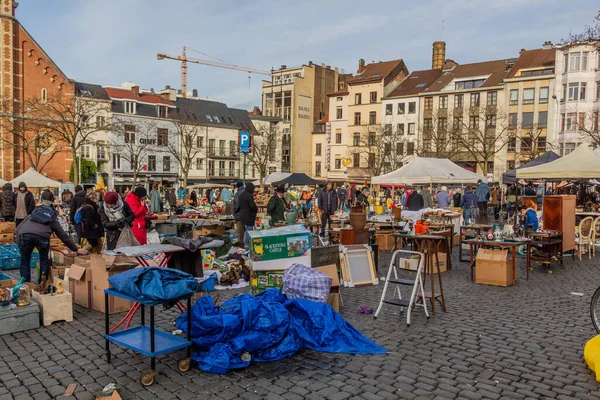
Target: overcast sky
<point x="109" y="42"/>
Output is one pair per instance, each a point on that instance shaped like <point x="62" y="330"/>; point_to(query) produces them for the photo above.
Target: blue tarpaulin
<point x="154" y="283"/>
<point x="269" y="327"/>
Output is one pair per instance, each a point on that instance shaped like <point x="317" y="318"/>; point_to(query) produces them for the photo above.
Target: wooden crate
<point x="54" y="308"/>
<point x="385" y="241"/>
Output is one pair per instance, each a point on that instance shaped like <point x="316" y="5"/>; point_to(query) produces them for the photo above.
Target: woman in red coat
<point x="135" y="201"/>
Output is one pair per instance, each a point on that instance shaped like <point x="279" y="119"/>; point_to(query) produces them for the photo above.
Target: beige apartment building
<point x="530" y="86"/>
<point x="298" y="96"/>
<point x="355" y="122"/>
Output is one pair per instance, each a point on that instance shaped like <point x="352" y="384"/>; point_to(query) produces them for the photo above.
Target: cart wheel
<point x="184" y="365"/>
<point x="147" y="379"/>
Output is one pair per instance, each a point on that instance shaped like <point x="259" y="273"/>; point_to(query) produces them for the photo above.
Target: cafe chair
<point x="596" y="234"/>
<point x="586" y="236"/>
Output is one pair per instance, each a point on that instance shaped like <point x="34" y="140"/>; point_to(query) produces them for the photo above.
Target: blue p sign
<point x="245" y="142"/>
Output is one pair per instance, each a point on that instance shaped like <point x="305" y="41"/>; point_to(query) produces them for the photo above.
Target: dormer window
<point x="129" y="107"/>
<point x="163" y="111"/>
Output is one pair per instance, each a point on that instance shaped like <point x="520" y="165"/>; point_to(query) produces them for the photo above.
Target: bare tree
<point x="132" y="139"/>
<point x="480" y="134"/>
<point x="187" y="144"/>
<point x="588" y="126"/>
<point x="265" y="142"/>
<point x="590" y="33"/>
<point x="381" y="149"/>
<point x="532" y="142"/>
<point x="438" y="136"/>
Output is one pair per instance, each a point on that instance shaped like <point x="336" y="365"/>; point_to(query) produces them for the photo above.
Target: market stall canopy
<point x="582" y="163"/>
<point x="429" y="170"/>
<point x="273" y="177"/>
<point x="511" y="176"/>
<point x="34" y="179"/>
<point x="297" y="179"/>
<point x="2" y="182"/>
<point x="209" y="185"/>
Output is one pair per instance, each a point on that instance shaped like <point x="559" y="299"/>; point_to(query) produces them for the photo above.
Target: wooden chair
<point x="586" y="236"/>
<point x="596" y="234"/>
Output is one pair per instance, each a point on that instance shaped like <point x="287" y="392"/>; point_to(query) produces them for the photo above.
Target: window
<point x="85" y="120"/>
<point x="216" y="119"/>
<point x="514" y="96"/>
<point x="541" y="146"/>
<point x="100" y="152"/>
<point x="584" y="60"/>
<point x="512" y="121"/>
<point x="534" y="72"/>
<point x="474" y="122"/>
<point x="475" y="100"/>
<point x="427" y="125"/>
<point x="411" y="129"/>
<point x="371" y="160"/>
<point x="457" y="124"/>
<point x="162" y="137"/>
<point x="526" y="144"/>
<point x="428" y="103"/>
<point x="512" y="144"/>
<point x="100" y="122"/>
<point x="443" y="101"/>
<point x="574" y="62"/>
<point x="356" y="160"/>
<point x="459" y="100"/>
<point x="357" y="118"/>
<point x="387" y="129"/>
<point x="581" y="121"/>
<point x="527" y="121"/>
<point x="566" y="63"/>
<point x="338" y="113"/>
<point x="573" y="91"/>
<point x="338" y="163"/>
<point x="86" y="152"/>
<point x="372" y="139"/>
<point x="232" y="168"/>
<point x="529" y="96"/>
<point x="116" y="161"/>
<point x="544" y="94"/>
<point x="151" y="163"/>
<point x="388" y="109"/>
<point x="410" y="148"/>
<point x="564" y="92"/>
<point x="373" y="97"/>
<point x="338" y="136"/>
<point x="356" y="139"/>
<point x="221" y="168"/>
<point x="222" y="150"/>
<point x="571" y="121"/>
<point x="209" y="118"/>
<point x="357" y="98"/>
<point x="233" y="149"/>
<point x="472" y="84"/>
<point x="129" y="107"/>
<point x="400" y="129"/>
<point x="129" y="133"/>
<point x="582" y="89"/>
<point x="199" y="163"/>
<point x="492" y="98"/>
<point x="212" y="146"/>
<point x="598" y="88"/>
<point x="490" y="121"/>
<point x="211" y="168"/>
<point x="166" y="163"/>
<point x="372" y="117"/>
<point x="570" y="147"/>
<point x="318" y="149"/>
<point x="44" y="95"/>
<point x="412" y="107"/>
<point x="387" y="149"/>
<point x="442" y="124"/>
<point x="200" y="142"/>
<point x="401" y="107"/>
<point x="163" y="111"/>
<point x="542" y="119"/>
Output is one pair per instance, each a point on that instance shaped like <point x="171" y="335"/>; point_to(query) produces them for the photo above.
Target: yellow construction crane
<point x="184" y="60"/>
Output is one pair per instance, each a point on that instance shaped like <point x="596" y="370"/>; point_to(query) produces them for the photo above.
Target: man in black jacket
<point x="35" y="232"/>
<point x="415" y="201"/>
<point x="24" y="203"/>
<point x="78" y="201"/>
<point x="327" y="201"/>
<point x="247" y="209"/>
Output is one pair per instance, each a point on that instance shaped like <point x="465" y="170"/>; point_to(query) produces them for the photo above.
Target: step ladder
<point x="417" y="286"/>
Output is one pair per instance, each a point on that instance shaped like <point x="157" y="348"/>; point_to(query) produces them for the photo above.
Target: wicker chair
<point x="586" y="236"/>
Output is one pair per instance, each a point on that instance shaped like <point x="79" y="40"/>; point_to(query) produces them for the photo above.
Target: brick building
<point x="27" y="72"/>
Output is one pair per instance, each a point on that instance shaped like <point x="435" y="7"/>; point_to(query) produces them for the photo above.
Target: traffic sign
<point x="245" y="142"/>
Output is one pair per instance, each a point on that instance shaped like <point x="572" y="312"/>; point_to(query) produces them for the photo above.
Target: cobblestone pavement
<point x="521" y="342"/>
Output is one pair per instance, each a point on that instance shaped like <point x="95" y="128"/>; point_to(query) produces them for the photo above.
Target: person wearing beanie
<point x="276" y="206"/>
<point x="115" y="215"/>
<point x="7" y="203"/>
<point x="247" y="210"/>
<point x="24" y="203"/>
<point x="135" y="200"/>
<point x="327" y="202"/>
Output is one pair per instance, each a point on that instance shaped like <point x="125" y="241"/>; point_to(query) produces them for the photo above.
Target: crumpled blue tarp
<point x="154" y="283"/>
<point x="269" y="327"/>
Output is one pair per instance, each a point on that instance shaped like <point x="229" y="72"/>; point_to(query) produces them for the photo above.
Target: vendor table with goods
<point x="470" y="232"/>
<point x="548" y="245"/>
<point x="511" y="245"/>
<point x="141" y="253"/>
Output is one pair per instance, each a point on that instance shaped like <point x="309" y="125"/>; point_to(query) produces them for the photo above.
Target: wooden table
<point x="477" y="227"/>
<point x="549" y="244"/>
<point x="429" y="245"/>
<point x="512" y="246"/>
<point x="443" y="227"/>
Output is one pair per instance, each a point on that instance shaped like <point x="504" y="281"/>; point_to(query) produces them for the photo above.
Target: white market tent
<point x="273" y="177"/>
<point x="429" y="170"/>
<point x="581" y="163"/>
<point x="2" y="182"/>
<point x="34" y="179"/>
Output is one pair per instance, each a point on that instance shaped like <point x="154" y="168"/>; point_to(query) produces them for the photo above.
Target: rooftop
<point x="374" y="72"/>
<point x="416" y="82"/>
<point x="541" y="59"/>
<point x="126" y="94"/>
<point x="494" y="70"/>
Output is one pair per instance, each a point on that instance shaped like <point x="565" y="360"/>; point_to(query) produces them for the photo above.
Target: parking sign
<point x="245" y="142"/>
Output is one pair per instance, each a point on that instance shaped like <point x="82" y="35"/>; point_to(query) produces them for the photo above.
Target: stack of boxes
<point x="272" y="251"/>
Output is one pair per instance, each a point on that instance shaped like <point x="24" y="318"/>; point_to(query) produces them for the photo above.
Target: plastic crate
<point x="9" y="259"/>
<point x="208" y="284"/>
<point x="11" y="247"/>
<point x="4" y="277"/>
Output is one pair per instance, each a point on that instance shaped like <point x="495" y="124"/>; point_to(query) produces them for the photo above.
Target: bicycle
<point x="595" y="310"/>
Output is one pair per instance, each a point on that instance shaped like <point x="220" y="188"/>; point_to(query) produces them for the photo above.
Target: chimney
<point x="152" y="90"/>
<point x="135" y="90"/>
<point x="283" y="67"/>
<point x="195" y="93"/>
<point x="439" y="55"/>
<point x="361" y="65"/>
<point x="168" y="87"/>
<point x="256" y="111"/>
<point x="547" y="45"/>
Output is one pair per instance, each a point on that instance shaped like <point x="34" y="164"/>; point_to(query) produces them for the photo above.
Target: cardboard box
<point x="456" y="240"/>
<point x="411" y="263"/>
<point x="57" y="307"/>
<point x="442" y="261"/>
<point x="6" y="238"/>
<point x="211" y="229"/>
<point x="283" y="264"/>
<point x="80" y="284"/>
<point x="334" y="295"/>
<point x="7" y="227"/>
<point x="63" y="259"/>
<point x="263" y="280"/>
<point x="493" y="268"/>
<point x="103" y="267"/>
<point x="82" y="260"/>
<point x="113" y="396"/>
<point x="279" y="243"/>
<point x="334" y="301"/>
